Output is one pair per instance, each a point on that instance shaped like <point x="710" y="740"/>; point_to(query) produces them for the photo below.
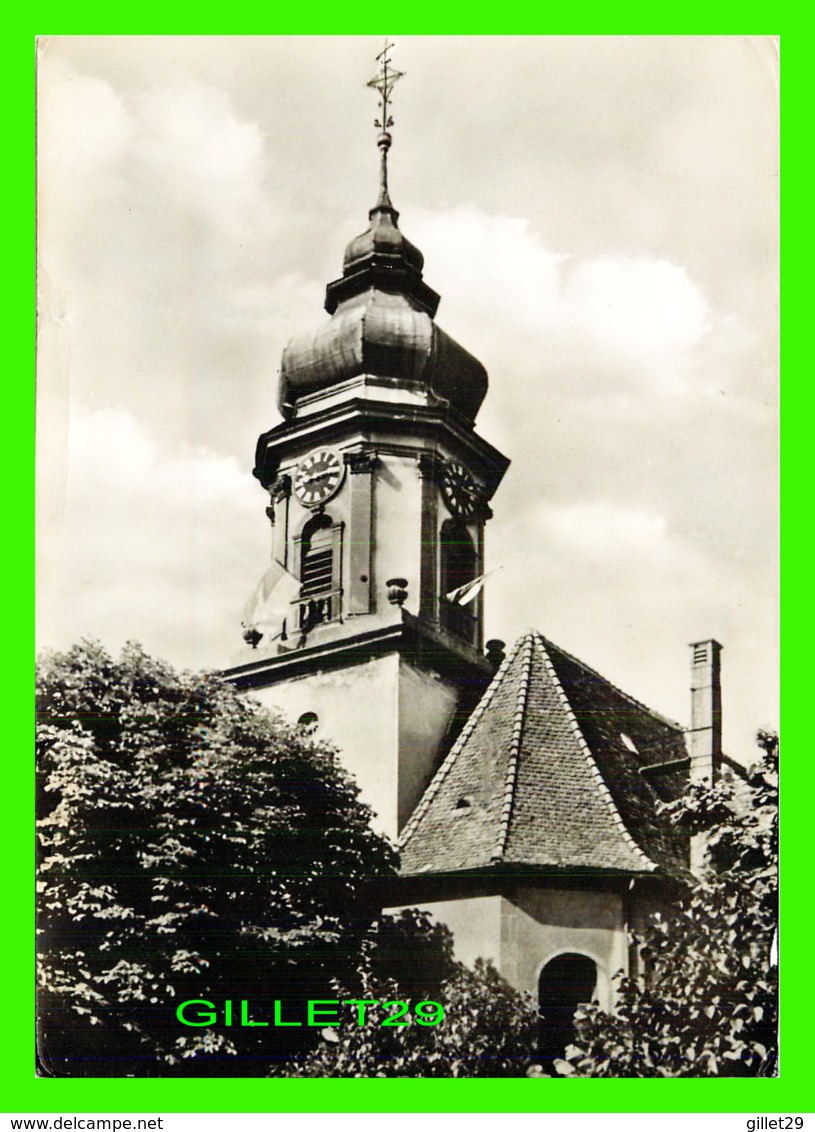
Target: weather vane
<point x="383" y="83"/>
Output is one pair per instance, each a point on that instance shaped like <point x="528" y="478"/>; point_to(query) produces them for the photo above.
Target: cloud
<point x="84" y="133"/>
<point x="603" y="531"/>
<point x="624" y="589"/>
<point x="490" y="266"/>
<point x="191" y="213"/>
<point x="207" y="163"/>
<point x="177" y="150"/>
<point x="636" y="318"/>
<point x="645" y="307"/>
<point x="157" y="242"/>
<point x="158" y="547"/>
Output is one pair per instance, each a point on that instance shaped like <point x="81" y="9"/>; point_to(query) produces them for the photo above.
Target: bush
<point x="708" y="1004"/>
<point x="488" y="1030"/>
<point x="191" y="847"/>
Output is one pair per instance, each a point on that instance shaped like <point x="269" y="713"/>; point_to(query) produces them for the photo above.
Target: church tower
<point x="378" y="497"/>
<point x="525" y="790"/>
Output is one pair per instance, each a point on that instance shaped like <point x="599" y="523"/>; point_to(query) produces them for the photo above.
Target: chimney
<point x="706" y="711"/>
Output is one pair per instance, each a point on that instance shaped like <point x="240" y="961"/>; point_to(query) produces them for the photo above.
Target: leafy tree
<point x="708" y="1004"/>
<point x="194" y="848"/>
<point x="191" y="847"/>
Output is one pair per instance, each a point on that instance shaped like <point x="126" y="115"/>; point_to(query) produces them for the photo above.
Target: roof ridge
<point x="626" y="695"/>
<point x="593" y="767"/>
<point x="513" y="762"/>
<point x="449" y="761"/>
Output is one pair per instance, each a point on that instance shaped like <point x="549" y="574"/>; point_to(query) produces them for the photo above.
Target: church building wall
<point x="388" y="718"/>
<point x="357" y="710"/>
<point x="397" y="518"/>
<point x="475" y="923"/>
<point x="376" y="475"/>
<point x="540" y="924"/>
<point x="522" y="934"/>
<point x="427" y="705"/>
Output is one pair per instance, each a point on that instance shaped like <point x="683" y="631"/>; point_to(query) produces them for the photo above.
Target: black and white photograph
<point x="407" y="556"/>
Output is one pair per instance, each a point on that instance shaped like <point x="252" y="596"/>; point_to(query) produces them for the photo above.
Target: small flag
<point x="271" y="601"/>
<point x="463" y="595"/>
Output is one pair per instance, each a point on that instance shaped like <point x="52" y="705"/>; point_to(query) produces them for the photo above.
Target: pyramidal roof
<point x="552" y="770"/>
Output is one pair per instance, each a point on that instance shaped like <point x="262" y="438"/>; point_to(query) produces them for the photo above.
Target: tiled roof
<point x="547" y="772"/>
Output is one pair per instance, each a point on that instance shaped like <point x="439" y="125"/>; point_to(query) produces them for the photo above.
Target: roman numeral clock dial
<point x="318" y="476"/>
<point x="461" y="492"/>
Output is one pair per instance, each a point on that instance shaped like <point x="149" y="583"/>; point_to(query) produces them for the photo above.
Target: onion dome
<point x="382" y="324"/>
<point x="382" y="257"/>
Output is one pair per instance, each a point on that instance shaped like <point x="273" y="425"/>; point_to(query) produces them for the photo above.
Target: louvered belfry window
<point x="319" y="572"/>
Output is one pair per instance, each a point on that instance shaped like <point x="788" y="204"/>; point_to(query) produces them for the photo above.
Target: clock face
<point x="318" y="476"/>
<point x="461" y="493"/>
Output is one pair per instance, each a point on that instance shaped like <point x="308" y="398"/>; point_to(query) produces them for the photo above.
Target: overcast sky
<point x="599" y="216"/>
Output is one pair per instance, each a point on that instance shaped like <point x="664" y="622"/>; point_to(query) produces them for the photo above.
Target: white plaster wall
<point x="475" y="923"/>
<point x="426" y="706"/>
<point x="365" y="387"/>
<point x="358" y="711"/>
<point x="522" y="935"/>
<point x="397" y="526"/>
<point x="388" y="719"/>
<point x="541" y="923"/>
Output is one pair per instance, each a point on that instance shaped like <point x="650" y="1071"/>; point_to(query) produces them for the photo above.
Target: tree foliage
<point x="707" y="1006"/>
<point x="194" y="848"/>
<point x="488" y="1029"/>
<point x="191" y="847"/>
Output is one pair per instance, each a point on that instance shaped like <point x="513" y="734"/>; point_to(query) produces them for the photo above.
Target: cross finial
<point x="383" y="83"/>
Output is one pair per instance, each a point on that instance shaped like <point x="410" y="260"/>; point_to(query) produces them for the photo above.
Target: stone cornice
<point x="383" y="419"/>
<point x="409" y="636"/>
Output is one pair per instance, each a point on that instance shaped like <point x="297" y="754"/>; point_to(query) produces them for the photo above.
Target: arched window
<point x="459" y="564"/>
<point x="319" y="557"/>
<point x="309" y="722"/>
<point x="564" y="983"/>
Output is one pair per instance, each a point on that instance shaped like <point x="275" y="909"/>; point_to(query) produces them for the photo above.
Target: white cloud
<point x="178" y="150"/>
<point x="188" y="225"/>
<point x="598" y="530"/>
<point x="641" y="306"/>
<point x="490" y="267"/>
<point x="623" y="589"/>
<point x="157" y="246"/>
<point x="635" y="317"/>
<point x="84" y="131"/>
<point x="202" y="156"/>
<point x="157" y="547"/>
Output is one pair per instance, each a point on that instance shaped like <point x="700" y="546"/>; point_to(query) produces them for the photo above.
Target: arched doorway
<point x="563" y="984"/>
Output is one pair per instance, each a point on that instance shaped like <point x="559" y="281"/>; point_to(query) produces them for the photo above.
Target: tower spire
<point x="383" y="83"/>
<point x="382" y="259"/>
